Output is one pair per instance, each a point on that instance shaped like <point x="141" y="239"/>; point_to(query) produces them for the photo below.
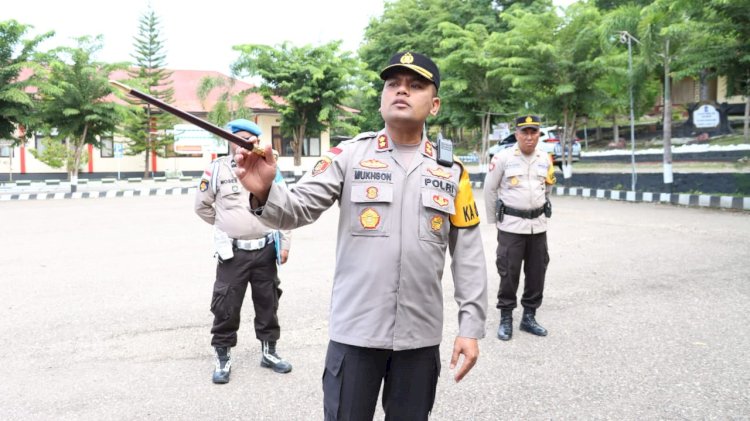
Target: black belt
<point x="526" y="214"/>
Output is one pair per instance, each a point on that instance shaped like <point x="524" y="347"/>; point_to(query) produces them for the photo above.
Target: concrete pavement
<point x="105" y="315"/>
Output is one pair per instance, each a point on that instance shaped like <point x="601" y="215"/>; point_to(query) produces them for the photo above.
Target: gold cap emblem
<point x="407" y="58"/>
<point x="529" y="119"/>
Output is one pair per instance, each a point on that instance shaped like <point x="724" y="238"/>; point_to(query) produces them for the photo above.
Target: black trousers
<point x="512" y="251"/>
<point x="257" y="268"/>
<point x="352" y="378"/>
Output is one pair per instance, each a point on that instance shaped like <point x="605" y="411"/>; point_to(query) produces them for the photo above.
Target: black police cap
<point x="528" y="122"/>
<point x="418" y="63"/>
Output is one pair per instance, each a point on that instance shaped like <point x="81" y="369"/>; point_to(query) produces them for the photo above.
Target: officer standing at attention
<point x="403" y="202"/>
<point x="516" y="194"/>
<point x="247" y="253"/>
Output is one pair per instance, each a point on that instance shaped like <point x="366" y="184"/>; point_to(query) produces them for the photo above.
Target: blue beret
<point x="241" y="125"/>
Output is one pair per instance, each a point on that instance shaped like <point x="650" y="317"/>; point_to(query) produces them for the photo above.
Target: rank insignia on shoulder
<point x="428" y="150"/>
<point x="383" y="143"/>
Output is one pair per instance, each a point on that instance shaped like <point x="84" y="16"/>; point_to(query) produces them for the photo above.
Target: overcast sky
<point x="199" y="35"/>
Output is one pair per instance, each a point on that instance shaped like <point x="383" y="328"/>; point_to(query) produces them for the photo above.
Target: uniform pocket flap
<point x="439" y="201"/>
<point x="335" y="360"/>
<point x="372" y="192"/>
<point x="513" y="172"/>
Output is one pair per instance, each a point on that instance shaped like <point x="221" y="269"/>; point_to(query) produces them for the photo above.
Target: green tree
<point x="606" y="5"/>
<point x="148" y="129"/>
<point x="75" y="103"/>
<point x="551" y="62"/>
<point x="474" y="92"/>
<point x="615" y="81"/>
<point x="230" y="104"/>
<point x="57" y="154"/>
<point x="414" y="25"/>
<point x="17" y="105"/>
<point x="732" y="19"/>
<point x="664" y="38"/>
<point x="306" y="84"/>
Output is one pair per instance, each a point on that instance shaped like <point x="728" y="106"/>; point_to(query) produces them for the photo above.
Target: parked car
<point x="548" y="140"/>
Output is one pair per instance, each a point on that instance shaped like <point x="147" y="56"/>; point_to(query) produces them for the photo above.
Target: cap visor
<point x="417" y="69"/>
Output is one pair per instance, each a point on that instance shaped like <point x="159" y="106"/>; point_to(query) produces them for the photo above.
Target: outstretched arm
<point x="255" y="172"/>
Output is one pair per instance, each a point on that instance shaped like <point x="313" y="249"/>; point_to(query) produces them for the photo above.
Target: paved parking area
<point x="104" y="315"/>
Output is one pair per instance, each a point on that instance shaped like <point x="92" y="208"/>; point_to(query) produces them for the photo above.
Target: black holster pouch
<point x="548" y="209"/>
<point x="499" y="210"/>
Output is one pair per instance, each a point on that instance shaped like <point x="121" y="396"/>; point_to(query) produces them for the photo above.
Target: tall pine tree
<point x="147" y="127"/>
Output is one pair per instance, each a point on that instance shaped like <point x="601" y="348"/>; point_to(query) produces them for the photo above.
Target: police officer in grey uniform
<point x="516" y="193"/>
<point x="402" y="204"/>
<point x="248" y="252"/>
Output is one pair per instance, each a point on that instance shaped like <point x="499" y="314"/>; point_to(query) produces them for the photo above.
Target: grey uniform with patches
<point x="223" y="202"/>
<point x="394" y="229"/>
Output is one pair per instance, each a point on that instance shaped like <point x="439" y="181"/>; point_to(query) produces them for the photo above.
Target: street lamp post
<point x="626" y="37"/>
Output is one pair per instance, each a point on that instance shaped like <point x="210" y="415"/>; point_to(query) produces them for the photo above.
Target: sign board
<point x="190" y="139"/>
<point x="500" y="131"/>
<point x="706" y="116"/>
<point x="119" y="148"/>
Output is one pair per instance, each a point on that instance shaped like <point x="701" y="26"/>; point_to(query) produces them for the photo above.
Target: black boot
<point x="529" y="324"/>
<point x="223" y="365"/>
<point x="505" y="330"/>
<point x="270" y="359"/>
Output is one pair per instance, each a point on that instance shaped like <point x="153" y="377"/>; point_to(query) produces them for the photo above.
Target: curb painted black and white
<point x="690" y="200"/>
<point x="99" y="194"/>
<point x="682" y="199"/>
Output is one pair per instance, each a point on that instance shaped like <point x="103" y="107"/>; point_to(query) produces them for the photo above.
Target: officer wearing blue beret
<point x="248" y="252"/>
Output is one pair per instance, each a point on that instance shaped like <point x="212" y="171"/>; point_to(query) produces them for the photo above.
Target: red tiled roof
<point x="185" y="84"/>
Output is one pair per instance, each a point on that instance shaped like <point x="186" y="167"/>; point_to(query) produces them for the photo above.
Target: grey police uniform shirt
<point x="522" y="183"/>
<point x="395" y="224"/>
<point x="223" y="202"/>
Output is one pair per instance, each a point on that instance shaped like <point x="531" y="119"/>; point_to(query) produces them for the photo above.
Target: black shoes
<point x="223" y="365"/>
<point x="270" y="359"/>
<point x="529" y="324"/>
<point x="505" y="330"/>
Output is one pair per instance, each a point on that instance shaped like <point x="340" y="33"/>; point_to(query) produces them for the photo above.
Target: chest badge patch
<point x="439" y="172"/>
<point x="514" y="181"/>
<point x="440" y="200"/>
<point x="373" y="163"/>
<point x="371" y="192"/>
<point x="369" y="218"/>
<point x="321" y="166"/>
<point x="436" y="223"/>
<point x="203" y="186"/>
